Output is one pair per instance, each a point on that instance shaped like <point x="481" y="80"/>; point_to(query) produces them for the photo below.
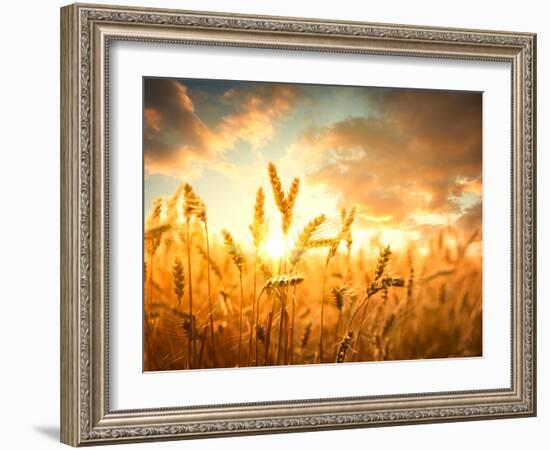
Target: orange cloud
<point x="412" y="156"/>
<point x="177" y="142"/>
<point x="173" y="135"/>
<point x="471" y="219"/>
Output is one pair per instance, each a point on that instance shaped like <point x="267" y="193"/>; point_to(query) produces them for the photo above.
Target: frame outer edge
<point x="79" y="336"/>
<point x="70" y="299"/>
<point x="535" y="335"/>
<point x="533" y="224"/>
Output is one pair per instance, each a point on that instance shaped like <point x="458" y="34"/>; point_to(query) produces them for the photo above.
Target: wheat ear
<point x="304" y="241"/>
<point x="178" y="278"/>
<point x="338" y="294"/>
<point x="343" y="348"/>
<point x="290" y="201"/>
<point x="276" y="187"/>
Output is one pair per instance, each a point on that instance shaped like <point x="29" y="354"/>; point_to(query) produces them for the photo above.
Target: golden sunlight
<point x="397" y="239"/>
<point x="275" y="245"/>
<point x="294" y="224"/>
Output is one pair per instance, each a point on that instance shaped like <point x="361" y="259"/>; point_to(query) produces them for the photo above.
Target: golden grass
<point x="328" y="299"/>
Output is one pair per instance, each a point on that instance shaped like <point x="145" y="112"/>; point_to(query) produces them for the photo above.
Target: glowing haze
<point x="409" y="160"/>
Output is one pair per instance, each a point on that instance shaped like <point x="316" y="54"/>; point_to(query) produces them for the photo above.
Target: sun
<point x="275" y="245"/>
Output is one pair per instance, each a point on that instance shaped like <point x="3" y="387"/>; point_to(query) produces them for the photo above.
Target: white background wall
<point x="29" y="225"/>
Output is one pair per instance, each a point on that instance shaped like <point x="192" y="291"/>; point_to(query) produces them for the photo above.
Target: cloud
<point x="471" y="219"/>
<point x="257" y="112"/>
<point x="177" y="142"/>
<point x="174" y="136"/>
<point x="418" y="153"/>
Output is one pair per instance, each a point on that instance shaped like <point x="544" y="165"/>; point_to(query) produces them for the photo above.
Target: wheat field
<point x="213" y="302"/>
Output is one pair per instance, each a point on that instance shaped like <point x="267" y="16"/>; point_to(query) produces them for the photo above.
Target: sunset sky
<point x="410" y="160"/>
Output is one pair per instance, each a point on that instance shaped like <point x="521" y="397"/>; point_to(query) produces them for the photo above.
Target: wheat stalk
<point x="238" y="259"/>
<point x="380" y="283"/>
<point x="301" y="246"/>
<point x="155" y="228"/>
<point x="333" y="245"/>
<point x="280" y="283"/>
<point x="347" y="220"/>
<point x="209" y="290"/>
<point x="193" y="206"/>
<point x="188" y="212"/>
<point x="258" y="234"/>
<point x="269" y="327"/>
<point x="289" y="347"/>
<point x="213" y="265"/>
<point x="410" y="280"/>
<point x="304" y="340"/>
<point x="285" y="204"/>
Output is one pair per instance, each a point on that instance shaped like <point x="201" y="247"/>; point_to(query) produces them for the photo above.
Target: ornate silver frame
<point x="86" y="32"/>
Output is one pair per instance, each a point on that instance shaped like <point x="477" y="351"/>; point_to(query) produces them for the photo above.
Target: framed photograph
<point x="276" y="225"/>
